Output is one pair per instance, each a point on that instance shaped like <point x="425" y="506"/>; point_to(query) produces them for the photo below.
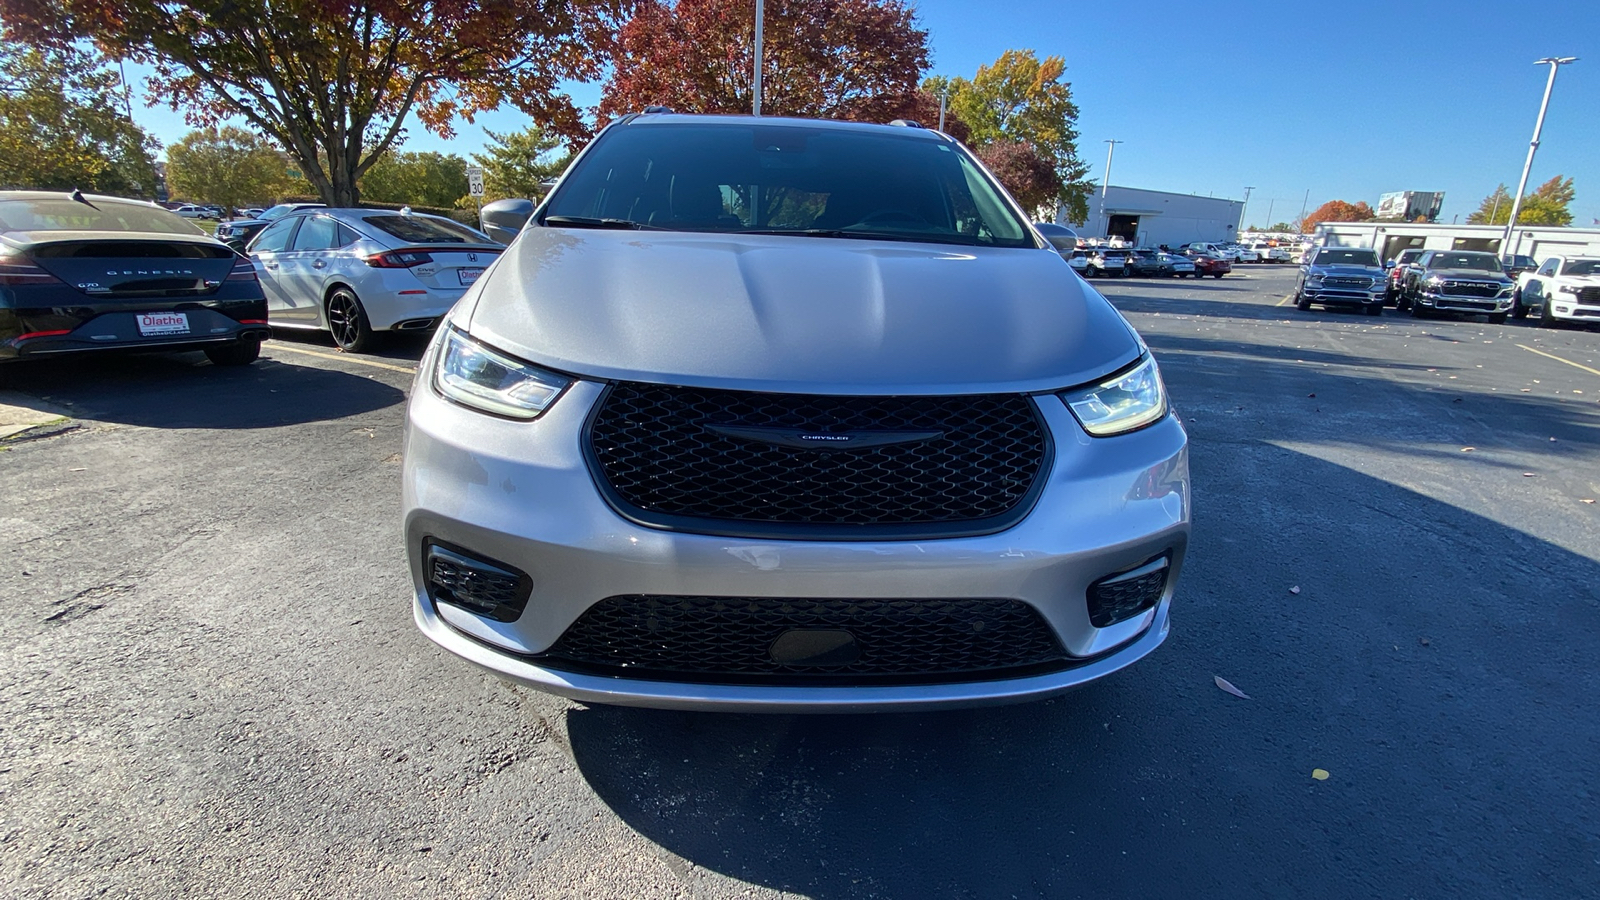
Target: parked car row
<point x="1093" y="261"/>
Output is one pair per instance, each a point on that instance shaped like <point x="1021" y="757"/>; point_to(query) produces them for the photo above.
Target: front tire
<point x="1547" y="315"/>
<point x="240" y="353"/>
<point x="1301" y="301"/>
<point x="1518" y="311"/>
<point x="347" y="322"/>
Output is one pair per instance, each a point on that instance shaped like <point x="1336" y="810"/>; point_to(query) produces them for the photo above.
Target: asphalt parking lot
<point x="212" y="685"/>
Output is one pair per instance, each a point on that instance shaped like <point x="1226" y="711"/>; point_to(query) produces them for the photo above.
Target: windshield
<point x="1484" y="262"/>
<point x="105" y="215"/>
<point x="1581" y="267"/>
<point x="1346" y="257"/>
<point x="788" y="179"/>
<point x="1522" y="262"/>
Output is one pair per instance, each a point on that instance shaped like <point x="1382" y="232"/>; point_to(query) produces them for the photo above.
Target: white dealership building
<point x="1151" y="218"/>
<point x="1389" y="238"/>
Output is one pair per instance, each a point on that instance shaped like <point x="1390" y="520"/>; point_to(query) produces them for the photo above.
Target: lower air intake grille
<point x="746" y="640"/>
<point x="1120" y="597"/>
<point x="476" y="585"/>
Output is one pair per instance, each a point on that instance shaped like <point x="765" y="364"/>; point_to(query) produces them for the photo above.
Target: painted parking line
<point x="343" y="357"/>
<point x="1569" y="362"/>
<point x="1285" y="301"/>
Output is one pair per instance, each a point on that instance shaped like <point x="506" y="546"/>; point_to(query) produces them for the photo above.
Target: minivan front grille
<point x="741" y="639"/>
<point x="743" y="463"/>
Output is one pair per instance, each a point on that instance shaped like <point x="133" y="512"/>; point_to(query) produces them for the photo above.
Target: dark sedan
<point x="1209" y="264"/>
<point x="88" y="273"/>
<point x="239" y="232"/>
<point x="1145" y="261"/>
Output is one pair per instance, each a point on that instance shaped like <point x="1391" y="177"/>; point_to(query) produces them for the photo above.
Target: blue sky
<point x="1345" y="100"/>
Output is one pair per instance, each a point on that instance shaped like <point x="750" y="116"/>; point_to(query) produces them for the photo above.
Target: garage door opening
<point x="1125" y="227"/>
<point x="1482" y="245"/>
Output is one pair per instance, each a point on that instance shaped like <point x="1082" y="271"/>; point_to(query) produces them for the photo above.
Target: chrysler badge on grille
<point x="802" y="439"/>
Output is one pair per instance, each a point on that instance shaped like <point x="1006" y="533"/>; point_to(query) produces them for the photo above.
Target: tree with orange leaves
<point x="334" y="82"/>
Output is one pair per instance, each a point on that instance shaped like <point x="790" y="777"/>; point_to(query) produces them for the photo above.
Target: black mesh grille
<point x="1470" y="289"/>
<point x="653" y="447"/>
<point x="731" y="639"/>
<point x="476" y="585"/>
<point x="1115" y="601"/>
<point x="1589" y="295"/>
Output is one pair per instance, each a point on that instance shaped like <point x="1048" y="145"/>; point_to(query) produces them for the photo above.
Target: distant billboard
<point x="1408" y="206"/>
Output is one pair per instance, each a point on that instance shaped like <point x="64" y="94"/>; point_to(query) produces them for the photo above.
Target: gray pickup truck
<point x="1342" y="276"/>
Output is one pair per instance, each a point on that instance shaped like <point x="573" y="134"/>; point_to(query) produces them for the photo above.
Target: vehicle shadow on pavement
<point x="184" y="391"/>
<point x="401" y="346"/>
<point x="1437" y="662"/>
<point x="1444" y="687"/>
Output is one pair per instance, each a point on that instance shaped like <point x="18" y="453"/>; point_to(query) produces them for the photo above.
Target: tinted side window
<point x="347" y="235"/>
<point x="1549" y="267"/>
<point x="275" y="237"/>
<point x="317" y="233"/>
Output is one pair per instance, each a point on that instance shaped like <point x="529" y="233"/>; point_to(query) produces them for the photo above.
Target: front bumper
<point x="1474" y="305"/>
<point x="1346" y="297"/>
<point x="522" y="494"/>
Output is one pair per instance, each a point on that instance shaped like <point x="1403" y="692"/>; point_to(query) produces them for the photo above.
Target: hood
<point x="799" y="314"/>
<point x="1346" y="269"/>
<point x="1468" y="275"/>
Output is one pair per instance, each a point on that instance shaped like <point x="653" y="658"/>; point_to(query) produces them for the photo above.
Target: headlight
<point x="1435" y="279"/>
<point x="1314" y="280"/>
<point x="1568" y="288"/>
<point x="1121" y="404"/>
<point x="474" y="375"/>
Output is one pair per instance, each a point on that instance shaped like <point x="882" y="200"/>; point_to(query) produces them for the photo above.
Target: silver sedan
<point x="359" y="273"/>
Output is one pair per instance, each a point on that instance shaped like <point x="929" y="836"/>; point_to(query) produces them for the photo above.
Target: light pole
<point x="755" y="102"/>
<point x="1105" y="224"/>
<point x="1554" y="63"/>
<point x="944" y="97"/>
<point x="1242" y="207"/>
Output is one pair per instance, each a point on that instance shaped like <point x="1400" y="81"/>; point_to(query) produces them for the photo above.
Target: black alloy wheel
<point x="1417" y="312"/>
<point x="347" y="322"/>
<point x="1518" y="311"/>
<point x="1547" y="316"/>
<point x="1301" y="301"/>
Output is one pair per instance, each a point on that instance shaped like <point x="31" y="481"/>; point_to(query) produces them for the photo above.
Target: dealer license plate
<point x="156" y="324"/>
<point x="468" y="276"/>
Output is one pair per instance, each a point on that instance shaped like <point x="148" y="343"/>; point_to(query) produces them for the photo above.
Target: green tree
<point x="230" y="167"/>
<point x="420" y="179"/>
<point x="63" y="125"/>
<point x="1547" y="205"/>
<point x="1022" y="98"/>
<point x="1494" y="210"/>
<point x="515" y="163"/>
<point x="335" y="84"/>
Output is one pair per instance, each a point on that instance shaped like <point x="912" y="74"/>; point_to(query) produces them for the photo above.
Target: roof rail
<point x="657" y="109"/>
<point x="907" y="123"/>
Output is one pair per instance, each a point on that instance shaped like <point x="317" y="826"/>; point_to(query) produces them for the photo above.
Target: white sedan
<point x="359" y="274"/>
<point x="1563" y="289"/>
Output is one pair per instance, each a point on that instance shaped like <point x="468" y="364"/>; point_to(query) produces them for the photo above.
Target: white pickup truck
<point x="1562" y="289"/>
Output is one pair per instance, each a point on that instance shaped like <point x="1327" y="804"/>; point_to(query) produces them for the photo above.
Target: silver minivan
<point x="795" y="416"/>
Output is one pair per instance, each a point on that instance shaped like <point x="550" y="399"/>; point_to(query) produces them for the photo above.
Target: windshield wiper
<point x="591" y="222"/>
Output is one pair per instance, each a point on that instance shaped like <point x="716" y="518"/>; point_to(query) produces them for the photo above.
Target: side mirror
<point x="503" y="219"/>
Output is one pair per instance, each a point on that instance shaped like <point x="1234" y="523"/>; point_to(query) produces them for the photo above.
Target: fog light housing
<point x="1116" y="598"/>
<point x="479" y="586"/>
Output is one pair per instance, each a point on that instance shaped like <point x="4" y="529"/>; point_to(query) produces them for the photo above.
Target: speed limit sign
<point x="475" y="180"/>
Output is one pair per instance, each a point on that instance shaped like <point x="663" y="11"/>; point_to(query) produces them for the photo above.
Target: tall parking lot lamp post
<point x="1516" y="200"/>
<point x="1105" y="224"/>
<point x="755" y="89"/>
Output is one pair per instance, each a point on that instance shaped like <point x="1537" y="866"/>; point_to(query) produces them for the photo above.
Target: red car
<point x="1207" y="264"/>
